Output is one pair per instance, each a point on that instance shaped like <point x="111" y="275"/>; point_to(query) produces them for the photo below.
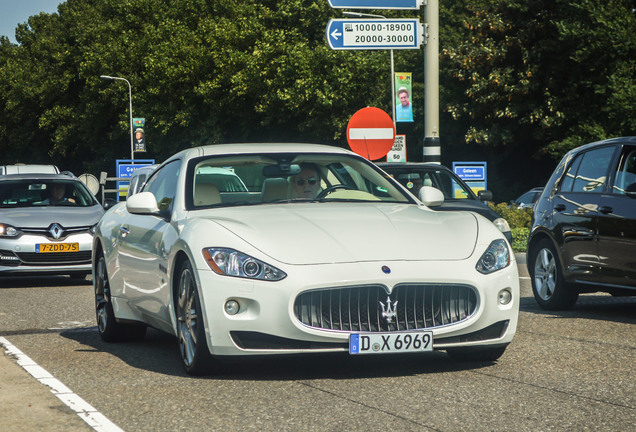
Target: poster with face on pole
<point x="403" y="103"/>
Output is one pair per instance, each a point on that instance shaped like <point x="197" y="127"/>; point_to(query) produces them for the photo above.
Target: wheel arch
<point x="534" y="240"/>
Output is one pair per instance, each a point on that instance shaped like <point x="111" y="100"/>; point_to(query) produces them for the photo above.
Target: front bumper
<point x="19" y="256"/>
<point x="269" y="321"/>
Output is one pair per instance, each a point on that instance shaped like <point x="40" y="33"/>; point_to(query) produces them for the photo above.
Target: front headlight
<point x="502" y="224"/>
<point x="8" y="231"/>
<point x="228" y="262"/>
<point x="496" y="257"/>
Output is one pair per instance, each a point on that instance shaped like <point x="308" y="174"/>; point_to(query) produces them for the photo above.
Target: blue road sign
<point x="125" y="169"/>
<point x="376" y="4"/>
<point x="370" y="34"/>
<point x="471" y="172"/>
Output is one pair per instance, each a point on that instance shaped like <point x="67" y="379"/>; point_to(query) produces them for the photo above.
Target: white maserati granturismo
<point x="320" y="251"/>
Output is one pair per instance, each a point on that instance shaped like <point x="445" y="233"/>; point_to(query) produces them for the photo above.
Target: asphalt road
<point x="566" y="371"/>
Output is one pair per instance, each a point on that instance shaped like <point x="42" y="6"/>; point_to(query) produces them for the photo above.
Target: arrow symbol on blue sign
<point x="335" y="34"/>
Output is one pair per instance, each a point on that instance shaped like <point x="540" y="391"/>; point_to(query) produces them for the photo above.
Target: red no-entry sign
<point x="371" y="133"/>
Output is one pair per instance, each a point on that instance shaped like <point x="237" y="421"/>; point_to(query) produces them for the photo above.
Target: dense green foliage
<point x="519" y="221"/>
<point x="519" y="80"/>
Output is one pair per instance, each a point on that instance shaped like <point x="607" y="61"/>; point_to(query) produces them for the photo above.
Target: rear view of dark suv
<point x="583" y="235"/>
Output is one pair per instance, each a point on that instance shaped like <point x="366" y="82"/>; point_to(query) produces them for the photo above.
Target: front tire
<point x="195" y="355"/>
<point x="109" y="329"/>
<point x="548" y="286"/>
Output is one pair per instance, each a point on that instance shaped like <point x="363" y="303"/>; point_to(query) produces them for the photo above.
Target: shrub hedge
<point x="519" y="221"/>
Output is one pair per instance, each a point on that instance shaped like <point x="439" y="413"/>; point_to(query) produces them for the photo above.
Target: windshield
<point x="287" y="178"/>
<point x="39" y="193"/>
<point x="444" y="180"/>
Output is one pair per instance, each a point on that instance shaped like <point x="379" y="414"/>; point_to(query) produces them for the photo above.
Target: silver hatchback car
<point x="46" y="224"/>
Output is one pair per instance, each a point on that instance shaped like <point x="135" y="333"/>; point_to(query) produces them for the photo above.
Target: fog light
<point x="505" y="296"/>
<point x="232" y="307"/>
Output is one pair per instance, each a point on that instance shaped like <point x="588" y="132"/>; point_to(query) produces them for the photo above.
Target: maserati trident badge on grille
<point x="56" y="231"/>
<point x="389" y="311"/>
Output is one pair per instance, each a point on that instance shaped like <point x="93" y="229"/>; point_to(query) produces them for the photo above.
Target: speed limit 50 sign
<point x="398" y="151"/>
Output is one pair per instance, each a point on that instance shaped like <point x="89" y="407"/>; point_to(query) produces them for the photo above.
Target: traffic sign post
<point x="369" y="34"/>
<point x="376" y="4"/>
<point x="371" y="133"/>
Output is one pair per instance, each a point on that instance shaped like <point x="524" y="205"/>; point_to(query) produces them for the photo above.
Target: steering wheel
<point x="330" y="189"/>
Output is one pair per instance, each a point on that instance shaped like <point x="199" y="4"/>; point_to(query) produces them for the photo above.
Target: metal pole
<point x="107" y="77"/>
<point x="431" y="151"/>
<point x="393" y="88"/>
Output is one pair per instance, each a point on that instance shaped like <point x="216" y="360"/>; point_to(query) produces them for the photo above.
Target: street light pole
<point x="106" y="77"/>
<point x="360" y="15"/>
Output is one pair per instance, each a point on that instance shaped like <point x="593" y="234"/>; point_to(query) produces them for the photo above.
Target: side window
<point x="568" y="178"/>
<point x="164" y="185"/>
<point x="592" y="173"/>
<point x="626" y="172"/>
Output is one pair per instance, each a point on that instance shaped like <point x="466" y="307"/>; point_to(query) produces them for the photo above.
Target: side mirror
<point x="431" y="197"/>
<point x="143" y="203"/>
<point x="484" y="195"/>
<point x="108" y="203"/>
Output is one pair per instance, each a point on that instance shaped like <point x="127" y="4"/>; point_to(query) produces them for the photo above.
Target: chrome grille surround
<point x="357" y="308"/>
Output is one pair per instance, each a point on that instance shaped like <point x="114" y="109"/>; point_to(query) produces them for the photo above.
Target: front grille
<point x="419" y="306"/>
<point x="34" y="258"/>
<point x="65" y="232"/>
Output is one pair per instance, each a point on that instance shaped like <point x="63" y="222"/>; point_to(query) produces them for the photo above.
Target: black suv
<point x="583" y="235"/>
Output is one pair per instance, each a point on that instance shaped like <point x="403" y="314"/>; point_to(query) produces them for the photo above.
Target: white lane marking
<point x="84" y="410"/>
<point x="371" y="133"/>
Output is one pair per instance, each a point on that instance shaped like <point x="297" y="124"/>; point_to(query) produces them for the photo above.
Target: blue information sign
<point x="125" y="169"/>
<point x="474" y="175"/>
<point x="376" y="4"/>
<point x="471" y="172"/>
<point x="369" y="34"/>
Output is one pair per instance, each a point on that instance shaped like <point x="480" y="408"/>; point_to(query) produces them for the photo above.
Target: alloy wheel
<point x="545" y="274"/>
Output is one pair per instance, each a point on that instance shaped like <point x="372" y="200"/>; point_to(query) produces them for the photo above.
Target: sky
<point x="14" y="12"/>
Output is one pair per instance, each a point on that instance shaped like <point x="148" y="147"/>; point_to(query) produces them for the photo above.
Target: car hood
<point x="469" y="205"/>
<point x="42" y="217"/>
<point x="345" y="232"/>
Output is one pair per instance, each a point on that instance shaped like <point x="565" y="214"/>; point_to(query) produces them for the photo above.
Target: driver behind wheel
<point x="57" y="193"/>
<point x="306" y="184"/>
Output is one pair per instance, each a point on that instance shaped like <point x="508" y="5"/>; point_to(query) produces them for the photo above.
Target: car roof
<point x="28" y="169"/>
<point x="610" y="141"/>
<point x="413" y="165"/>
<point x="35" y="176"/>
<point x="251" y="148"/>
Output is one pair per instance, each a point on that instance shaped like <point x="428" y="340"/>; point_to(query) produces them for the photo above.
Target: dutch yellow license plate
<point x="57" y="247"/>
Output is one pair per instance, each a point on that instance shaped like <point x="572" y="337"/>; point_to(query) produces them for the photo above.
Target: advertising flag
<point x="403" y="102"/>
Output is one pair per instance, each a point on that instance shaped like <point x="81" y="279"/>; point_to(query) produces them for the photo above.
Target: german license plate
<point x="57" y="247"/>
<point x="388" y="343"/>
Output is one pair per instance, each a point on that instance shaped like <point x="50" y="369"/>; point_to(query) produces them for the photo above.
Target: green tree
<point x="202" y="72"/>
<point x="548" y="75"/>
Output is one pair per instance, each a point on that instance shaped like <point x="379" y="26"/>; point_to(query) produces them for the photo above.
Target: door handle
<point x="559" y="207"/>
<point x="124" y="230"/>
<point x="606" y="209"/>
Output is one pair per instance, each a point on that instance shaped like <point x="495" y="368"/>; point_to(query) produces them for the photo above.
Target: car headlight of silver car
<point x="228" y="262"/>
<point x="496" y="257"/>
<point x="7" y="231"/>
